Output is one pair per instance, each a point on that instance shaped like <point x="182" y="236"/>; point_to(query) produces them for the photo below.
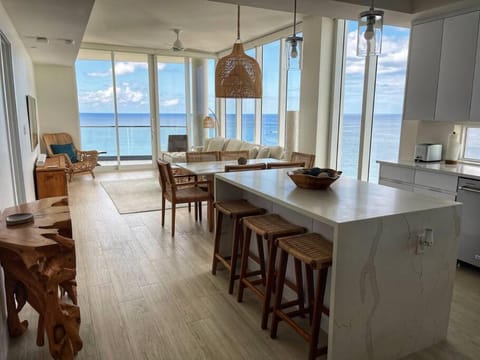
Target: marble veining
<point x="369" y="270"/>
<point x="386" y="301"/>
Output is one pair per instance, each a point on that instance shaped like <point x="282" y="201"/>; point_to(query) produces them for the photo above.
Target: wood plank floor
<point x="144" y="295"/>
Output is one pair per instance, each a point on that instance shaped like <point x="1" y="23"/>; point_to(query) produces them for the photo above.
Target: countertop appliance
<point x="428" y="152"/>
<point x="469" y="194"/>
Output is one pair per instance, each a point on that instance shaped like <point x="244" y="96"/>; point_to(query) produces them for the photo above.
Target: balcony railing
<point x="135" y="141"/>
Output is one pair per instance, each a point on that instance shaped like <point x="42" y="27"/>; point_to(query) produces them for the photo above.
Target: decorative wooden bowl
<point x="323" y="180"/>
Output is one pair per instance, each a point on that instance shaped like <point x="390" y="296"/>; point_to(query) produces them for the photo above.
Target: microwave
<point x="428" y="152"/>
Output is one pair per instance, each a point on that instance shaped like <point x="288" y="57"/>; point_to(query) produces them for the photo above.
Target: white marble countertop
<point x="460" y="169"/>
<point x="346" y="200"/>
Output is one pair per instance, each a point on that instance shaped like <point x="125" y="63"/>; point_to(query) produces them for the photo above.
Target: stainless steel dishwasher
<point x="469" y="194"/>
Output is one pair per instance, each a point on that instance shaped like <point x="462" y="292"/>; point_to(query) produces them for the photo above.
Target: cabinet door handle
<point x="469" y="189"/>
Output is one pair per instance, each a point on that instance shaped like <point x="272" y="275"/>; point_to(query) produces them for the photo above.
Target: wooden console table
<point x="38" y="260"/>
<point x="51" y="178"/>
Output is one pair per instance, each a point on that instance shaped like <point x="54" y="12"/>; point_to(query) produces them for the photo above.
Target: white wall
<point x="418" y="132"/>
<point x="57" y="100"/>
<point x="24" y="85"/>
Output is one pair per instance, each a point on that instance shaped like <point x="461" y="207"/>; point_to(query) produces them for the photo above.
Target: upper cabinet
<point x="475" y="110"/>
<point x="423" y="68"/>
<point x="457" y="67"/>
<point x="443" y="80"/>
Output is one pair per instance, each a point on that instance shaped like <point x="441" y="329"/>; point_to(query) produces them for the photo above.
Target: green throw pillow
<point x="65" y="149"/>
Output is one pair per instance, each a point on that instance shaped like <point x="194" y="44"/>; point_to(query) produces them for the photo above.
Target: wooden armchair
<point x="86" y="160"/>
<point x="309" y="159"/>
<point x="182" y="194"/>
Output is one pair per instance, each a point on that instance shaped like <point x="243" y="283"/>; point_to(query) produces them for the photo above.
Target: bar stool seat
<point x="268" y="227"/>
<point x="316" y="253"/>
<point x="236" y="210"/>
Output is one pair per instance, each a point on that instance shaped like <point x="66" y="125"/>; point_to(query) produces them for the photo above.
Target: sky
<point x="95" y="84"/>
<point x="391" y="71"/>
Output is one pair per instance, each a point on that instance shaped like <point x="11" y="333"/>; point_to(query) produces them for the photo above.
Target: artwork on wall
<point x="32" y="121"/>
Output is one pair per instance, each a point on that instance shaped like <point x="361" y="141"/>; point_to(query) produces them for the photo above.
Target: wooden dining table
<point x="208" y="169"/>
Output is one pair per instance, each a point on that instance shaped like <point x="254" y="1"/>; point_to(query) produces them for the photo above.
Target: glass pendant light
<point x="238" y="75"/>
<point x="369" y="35"/>
<point x="294" y="44"/>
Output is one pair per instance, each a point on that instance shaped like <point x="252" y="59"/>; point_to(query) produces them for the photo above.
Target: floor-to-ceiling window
<point x="248" y="112"/>
<point x="271" y="97"/>
<point x="172" y="99"/>
<point x="94" y="72"/>
<point x="389" y="93"/>
<point x="211" y="96"/>
<point x="114" y="106"/>
<point x="389" y="84"/>
<point x="354" y="73"/>
<point x="230" y="118"/>
<point x="133" y="107"/>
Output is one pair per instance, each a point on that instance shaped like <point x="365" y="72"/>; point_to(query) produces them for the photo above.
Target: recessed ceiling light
<point x="68" y="41"/>
<point x="41" y="39"/>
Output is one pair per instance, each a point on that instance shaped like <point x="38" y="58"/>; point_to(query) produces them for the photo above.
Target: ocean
<point x="98" y="132"/>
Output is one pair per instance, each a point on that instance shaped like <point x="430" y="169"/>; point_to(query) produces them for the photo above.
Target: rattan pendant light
<point x="238" y="75"/>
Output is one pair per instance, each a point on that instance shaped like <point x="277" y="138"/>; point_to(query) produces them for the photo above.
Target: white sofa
<point x="220" y="143"/>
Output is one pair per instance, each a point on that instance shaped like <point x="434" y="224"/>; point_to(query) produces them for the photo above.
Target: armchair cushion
<point x="65" y="149"/>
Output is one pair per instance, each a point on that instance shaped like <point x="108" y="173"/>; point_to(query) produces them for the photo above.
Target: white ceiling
<point x="207" y="26"/>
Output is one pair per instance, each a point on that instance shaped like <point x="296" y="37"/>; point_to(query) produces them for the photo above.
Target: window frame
<point x="463" y="140"/>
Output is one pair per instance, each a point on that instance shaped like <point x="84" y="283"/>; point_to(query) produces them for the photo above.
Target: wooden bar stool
<point x="236" y="210"/>
<point x="268" y="227"/>
<point x="316" y="253"/>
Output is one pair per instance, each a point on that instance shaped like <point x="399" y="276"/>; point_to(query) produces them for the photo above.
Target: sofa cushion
<point x="252" y="149"/>
<point x="263" y="152"/>
<point x="233" y="145"/>
<point x="215" y="144"/>
<point x="276" y="152"/>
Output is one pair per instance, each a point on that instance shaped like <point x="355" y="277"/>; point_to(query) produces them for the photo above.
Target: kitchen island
<point x="388" y="296"/>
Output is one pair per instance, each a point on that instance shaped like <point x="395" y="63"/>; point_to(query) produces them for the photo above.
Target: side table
<point x="51" y="178"/>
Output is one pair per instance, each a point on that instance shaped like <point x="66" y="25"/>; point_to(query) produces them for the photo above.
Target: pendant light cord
<point x="238" y="21"/>
<point x="294" y="17"/>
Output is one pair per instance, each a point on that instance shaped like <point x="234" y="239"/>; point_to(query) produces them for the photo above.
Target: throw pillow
<point x="263" y="153"/>
<point x="252" y="149"/>
<point x="215" y="144"/>
<point x="65" y="149"/>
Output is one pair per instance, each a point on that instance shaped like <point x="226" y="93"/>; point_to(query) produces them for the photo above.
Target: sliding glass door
<point x="114" y="106"/>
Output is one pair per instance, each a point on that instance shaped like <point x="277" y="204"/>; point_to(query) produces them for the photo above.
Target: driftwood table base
<point x="39" y="266"/>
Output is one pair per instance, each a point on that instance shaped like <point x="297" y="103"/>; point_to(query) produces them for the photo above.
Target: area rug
<point x="135" y="195"/>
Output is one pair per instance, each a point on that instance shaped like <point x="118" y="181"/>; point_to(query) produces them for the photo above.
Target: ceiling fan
<point x="177" y="44"/>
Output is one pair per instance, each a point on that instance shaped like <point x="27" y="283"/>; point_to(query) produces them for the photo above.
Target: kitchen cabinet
<point x="475" y="109"/>
<point x="443" y="77"/>
<point x="446" y="183"/>
<point x="423" y="69"/>
<point x="439" y="185"/>
<point x="457" y="67"/>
